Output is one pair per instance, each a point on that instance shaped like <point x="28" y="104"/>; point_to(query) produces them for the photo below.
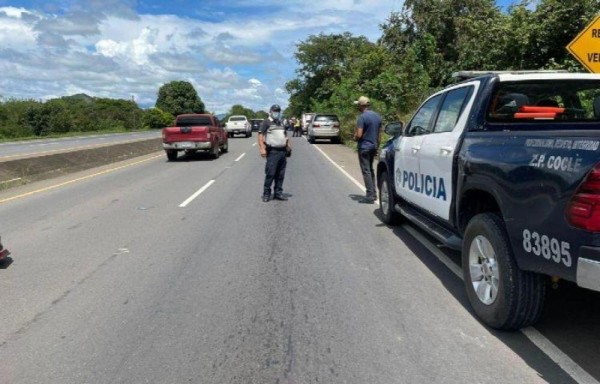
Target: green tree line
<point x="83" y="113"/>
<point x="78" y="113"/>
<point x="423" y="44"/>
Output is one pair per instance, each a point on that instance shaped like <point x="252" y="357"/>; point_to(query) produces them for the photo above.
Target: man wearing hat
<point x="368" y="135"/>
<point x="273" y="144"/>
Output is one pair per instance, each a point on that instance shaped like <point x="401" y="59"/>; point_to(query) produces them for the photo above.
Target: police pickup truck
<point x="504" y="167"/>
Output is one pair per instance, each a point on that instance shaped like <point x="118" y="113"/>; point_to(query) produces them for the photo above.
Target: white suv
<point x="238" y="124"/>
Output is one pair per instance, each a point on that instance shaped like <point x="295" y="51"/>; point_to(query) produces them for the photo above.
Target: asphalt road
<point x="40" y="147"/>
<point x="113" y="281"/>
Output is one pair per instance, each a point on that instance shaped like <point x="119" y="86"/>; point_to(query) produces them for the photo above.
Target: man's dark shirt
<point x="370" y="122"/>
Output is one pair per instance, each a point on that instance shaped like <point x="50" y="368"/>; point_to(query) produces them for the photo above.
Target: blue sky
<point x="233" y="52"/>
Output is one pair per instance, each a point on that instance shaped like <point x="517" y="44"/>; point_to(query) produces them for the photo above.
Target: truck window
<point x="190" y="121"/>
<point x="421" y="122"/>
<point x="540" y="101"/>
<point x="452" y="108"/>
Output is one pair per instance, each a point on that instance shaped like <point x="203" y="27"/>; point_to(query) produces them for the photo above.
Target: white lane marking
<point x="11" y="180"/>
<point x="198" y="192"/>
<point x="240" y="158"/>
<point x="254" y="145"/>
<point x="434" y="250"/>
<point x="349" y="176"/>
<point x="552" y="351"/>
<point x="559" y="357"/>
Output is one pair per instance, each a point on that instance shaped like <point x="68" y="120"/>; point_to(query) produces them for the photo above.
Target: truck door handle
<point x="446" y="150"/>
<point x="416" y="148"/>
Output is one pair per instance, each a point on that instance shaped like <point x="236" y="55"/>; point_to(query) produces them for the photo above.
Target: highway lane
<point x="38" y="147"/>
<point x="113" y="282"/>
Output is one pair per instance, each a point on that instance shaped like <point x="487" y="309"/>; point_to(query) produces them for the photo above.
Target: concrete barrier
<point x="29" y="169"/>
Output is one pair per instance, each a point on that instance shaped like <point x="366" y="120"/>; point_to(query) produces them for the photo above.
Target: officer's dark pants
<point x="275" y="171"/>
<point x="365" y="158"/>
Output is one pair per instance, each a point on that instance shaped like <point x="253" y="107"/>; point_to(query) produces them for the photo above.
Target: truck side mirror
<point x="394" y="128"/>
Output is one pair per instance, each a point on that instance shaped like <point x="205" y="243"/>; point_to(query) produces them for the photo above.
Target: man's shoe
<point x="266" y="199"/>
<point x="367" y="200"/>
<point x="280" y="197"/>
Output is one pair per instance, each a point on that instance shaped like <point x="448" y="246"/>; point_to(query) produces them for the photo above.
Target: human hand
<point x="263" y="152"/>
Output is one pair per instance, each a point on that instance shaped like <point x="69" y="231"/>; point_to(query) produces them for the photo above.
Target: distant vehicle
<point x="505" y="168"/>
<point x="238" y="124"/>
<point x="3" y="252"/>
<point x="195" y="132"/>
<point x="306" y="119"/>
<point x="324" y="126"/>
<point x="255" y="124"/>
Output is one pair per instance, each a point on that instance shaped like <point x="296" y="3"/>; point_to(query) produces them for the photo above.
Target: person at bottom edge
<point x="368" y="135"/>
<point x="272" y="145"/>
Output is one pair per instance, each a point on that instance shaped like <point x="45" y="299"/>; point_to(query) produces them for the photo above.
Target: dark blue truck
<point x="504" y="167"/>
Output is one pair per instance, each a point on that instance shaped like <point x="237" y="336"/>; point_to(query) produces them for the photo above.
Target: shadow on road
<point x="6" y="262"/>
<point x="571" y="319"/>
<point x="193" y="157"/>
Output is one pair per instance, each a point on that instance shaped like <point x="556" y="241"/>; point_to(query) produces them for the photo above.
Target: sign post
<point x="586" y="46"/>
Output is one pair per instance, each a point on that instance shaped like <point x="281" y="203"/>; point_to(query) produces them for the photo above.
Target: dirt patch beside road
<point x="30" y="169"/>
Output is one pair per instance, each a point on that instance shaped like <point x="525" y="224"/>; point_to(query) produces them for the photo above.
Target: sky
<point x="231" y="51"/>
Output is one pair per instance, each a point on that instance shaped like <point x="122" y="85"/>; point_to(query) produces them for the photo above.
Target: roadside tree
<point x="178" y="97"/>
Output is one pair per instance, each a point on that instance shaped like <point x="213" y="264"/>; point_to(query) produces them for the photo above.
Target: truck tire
<point x="225" y="147"/>
<point x="216" y="152"/>
<point x="171" y="155"/>
<point x="501" y="294"/>
<point x="387" y="201"/>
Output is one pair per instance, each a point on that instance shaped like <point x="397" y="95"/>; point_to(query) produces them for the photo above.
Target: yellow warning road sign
<point x="586" y="46"/>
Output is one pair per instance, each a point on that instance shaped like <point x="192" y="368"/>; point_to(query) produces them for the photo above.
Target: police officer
<point x="273" y="144"/>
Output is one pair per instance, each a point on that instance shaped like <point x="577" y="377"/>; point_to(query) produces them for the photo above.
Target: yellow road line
<point x="77" y="180"/>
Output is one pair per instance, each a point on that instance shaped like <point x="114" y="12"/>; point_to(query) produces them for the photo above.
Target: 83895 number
<point x="547" y="247"/>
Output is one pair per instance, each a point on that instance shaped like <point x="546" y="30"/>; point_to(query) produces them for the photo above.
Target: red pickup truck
<point x="195" y="132"/>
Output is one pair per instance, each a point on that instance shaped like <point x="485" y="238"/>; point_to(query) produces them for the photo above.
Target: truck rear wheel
<point x="225" y="147"/>
<point x="387" y="201"/>
<point x="501" y="294"/>
<point x="216" y="152"/>
<point x="171" y="155"/>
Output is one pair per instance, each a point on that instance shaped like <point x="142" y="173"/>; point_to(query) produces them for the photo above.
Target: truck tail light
<point x="583" y="211"/>
<point x="164" y="135"/>
<point x="316" y="125"/>
<point x="336" y="125"/>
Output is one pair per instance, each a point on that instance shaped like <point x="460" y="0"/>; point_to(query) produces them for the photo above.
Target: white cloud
<point x="137" y="50"/>
<point x="15" y="32"/>
<point x="14" y="12"/>
<point x="109" y="51"/>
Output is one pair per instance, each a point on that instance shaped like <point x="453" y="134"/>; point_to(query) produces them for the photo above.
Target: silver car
<point x="324" y="126"/>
